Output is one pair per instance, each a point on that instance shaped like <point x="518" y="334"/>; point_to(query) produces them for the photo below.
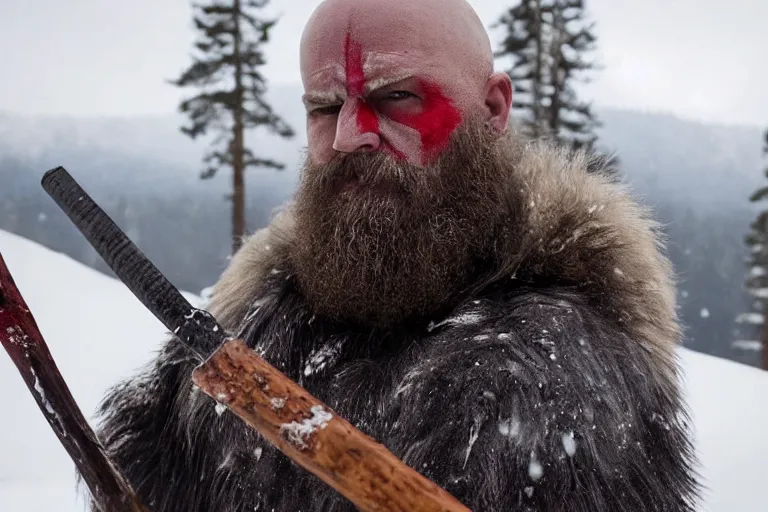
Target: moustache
<point x="377" y="171"/>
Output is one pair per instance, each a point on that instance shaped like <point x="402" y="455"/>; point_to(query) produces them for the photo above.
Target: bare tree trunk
<point x="537" y="82"/>
<point x="238" y="168"/>
<point x="555" y="75"/>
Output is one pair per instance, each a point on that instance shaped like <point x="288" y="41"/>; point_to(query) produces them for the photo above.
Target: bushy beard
<point x="379" y="241"/>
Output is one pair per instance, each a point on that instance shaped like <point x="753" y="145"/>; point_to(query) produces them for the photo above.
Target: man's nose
<point x="357" y="128"/>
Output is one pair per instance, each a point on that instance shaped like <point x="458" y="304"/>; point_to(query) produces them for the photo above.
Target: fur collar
<point x="578" y="227"/>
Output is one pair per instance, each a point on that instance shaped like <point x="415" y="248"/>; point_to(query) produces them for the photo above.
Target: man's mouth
<point x="356" y="184"/>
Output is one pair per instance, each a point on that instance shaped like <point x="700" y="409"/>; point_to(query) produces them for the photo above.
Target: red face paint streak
<point x="366" y="117"/>
<point x="353" y="53"/>
<point x="436" y="122"/>
<point x="367" y="120"/>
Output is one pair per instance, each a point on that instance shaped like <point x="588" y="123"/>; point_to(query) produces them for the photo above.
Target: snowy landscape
<point x="144" y="173"/>
<point x="684" y="112"/>
<point x="99" y="333"/>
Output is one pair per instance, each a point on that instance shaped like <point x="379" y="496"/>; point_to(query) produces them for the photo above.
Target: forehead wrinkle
<point x="332" y="71"/>
<point x="378" y="68"/>
<point x="385" y="68"/>
<point x="377" y="63"/>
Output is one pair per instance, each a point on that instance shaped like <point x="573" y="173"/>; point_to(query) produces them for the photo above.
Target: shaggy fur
<point x="552" y="387"/>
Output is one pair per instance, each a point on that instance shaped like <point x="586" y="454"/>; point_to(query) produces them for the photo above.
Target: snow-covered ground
<point x="99" y="333"/>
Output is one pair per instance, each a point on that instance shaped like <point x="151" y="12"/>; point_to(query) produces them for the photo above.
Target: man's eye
<point x="330" y="110"/>
<point x="400" y="95"/>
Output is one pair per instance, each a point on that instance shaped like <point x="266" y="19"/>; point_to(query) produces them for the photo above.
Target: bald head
<point x="431" y="34"/>
<point x="398" y="76"/>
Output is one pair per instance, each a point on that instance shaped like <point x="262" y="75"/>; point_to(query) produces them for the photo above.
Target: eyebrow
<point x="318" y="98"/>
<point x="385" y="81"/>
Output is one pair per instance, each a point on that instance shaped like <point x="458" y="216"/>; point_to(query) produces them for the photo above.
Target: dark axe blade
<point x="194" y="327"/>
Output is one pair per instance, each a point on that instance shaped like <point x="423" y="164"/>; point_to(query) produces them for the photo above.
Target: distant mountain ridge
<point x="144" y="172"/>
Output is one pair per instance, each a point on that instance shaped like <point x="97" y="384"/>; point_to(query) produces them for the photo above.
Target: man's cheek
<point x="320" y="137"/>
<point x="437" y="121"/>
<point x="402" y="142"/>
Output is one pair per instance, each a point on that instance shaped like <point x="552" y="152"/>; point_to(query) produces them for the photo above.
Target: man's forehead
<point x="380" y="69"/>
<point x="418" y="34"/>
<point x="358" y="46"/>
<point x="388" y="45"/>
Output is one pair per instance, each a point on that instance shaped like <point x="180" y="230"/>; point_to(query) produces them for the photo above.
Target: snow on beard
<point x="380" y="240"/>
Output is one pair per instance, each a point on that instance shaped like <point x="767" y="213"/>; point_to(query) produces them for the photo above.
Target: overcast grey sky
<point x="700" y="59"/>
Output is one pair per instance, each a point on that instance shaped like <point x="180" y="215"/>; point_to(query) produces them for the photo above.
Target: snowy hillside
<point x="99" y="333"/>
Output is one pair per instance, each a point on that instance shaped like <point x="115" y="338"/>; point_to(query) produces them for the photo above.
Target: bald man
<point x="500" y="318"/>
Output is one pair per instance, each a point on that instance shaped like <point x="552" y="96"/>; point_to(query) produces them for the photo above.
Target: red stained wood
<point x="24" y="343"/>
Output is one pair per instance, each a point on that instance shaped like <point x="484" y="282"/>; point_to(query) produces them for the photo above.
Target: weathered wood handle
<point x="286" y="415"/>
<point x="24" y="343"/>
<point x="315" y="437"/>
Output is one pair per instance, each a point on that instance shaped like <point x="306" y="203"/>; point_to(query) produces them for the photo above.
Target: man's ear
<point x="498" y="100"/>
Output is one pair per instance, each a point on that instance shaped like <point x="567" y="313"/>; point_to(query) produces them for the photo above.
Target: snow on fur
<point x="99" y="334"/>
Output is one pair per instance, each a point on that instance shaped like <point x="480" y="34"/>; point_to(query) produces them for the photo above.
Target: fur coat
<point x="554" y="387"/>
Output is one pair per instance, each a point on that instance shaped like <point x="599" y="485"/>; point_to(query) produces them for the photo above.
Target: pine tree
<point x="226" y="71"/>
<point x="524" y="41"/>
<point x="757" y="278"/>
<point x="571" y="119"/>
<point x="547" y="40"/>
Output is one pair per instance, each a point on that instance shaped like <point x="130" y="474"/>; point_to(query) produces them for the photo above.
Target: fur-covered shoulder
<point x="583" y="228"/>
<point x="263" y="252"/>
<point x="572" y="224"/>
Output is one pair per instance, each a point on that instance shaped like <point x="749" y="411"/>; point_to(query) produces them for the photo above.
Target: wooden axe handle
<point x="315" y="437"/>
